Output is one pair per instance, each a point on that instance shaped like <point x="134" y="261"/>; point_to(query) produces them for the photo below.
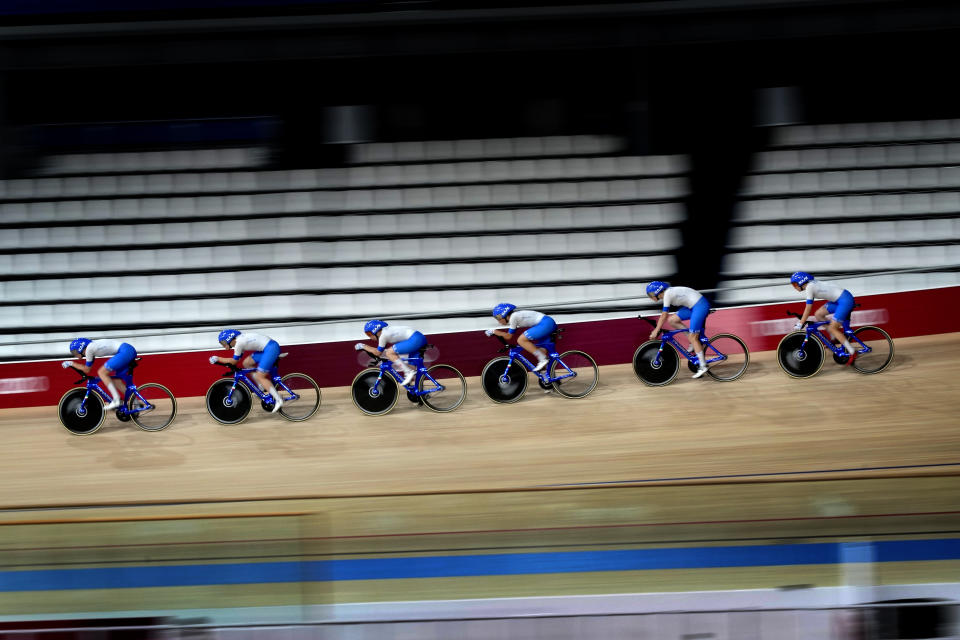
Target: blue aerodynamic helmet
<point x="79" y="344"/>
<point x="657" y="287"/>
<point x="226" y="336"/>
<point x="503" y="309"/>
<point x="374" y="326"/>
<point x="801" y="278"/>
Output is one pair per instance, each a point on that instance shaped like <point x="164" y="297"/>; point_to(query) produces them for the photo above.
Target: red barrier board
<point x="333" y="364"/>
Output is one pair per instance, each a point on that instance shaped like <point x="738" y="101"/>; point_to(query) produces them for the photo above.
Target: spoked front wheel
<point x="503" y="384"/>
<point x="730" y="357"/>
<point x="81" y="418"/>
<point x="152" y="407"/>
<point x="800" y="360"/>
<point x="372" y="398"/>
<point x="880" y="353"/>
<point x="653" y="370"/>
<point x="578" y="374"/>
<point x="301" y="397"/>
<point x="226" y="407"/>
<point x="443" y="388"/>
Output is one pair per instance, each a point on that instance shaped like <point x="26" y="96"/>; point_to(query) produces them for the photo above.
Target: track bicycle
<point x="657" y="362"/>
<point x="151" y="406"/>
<point x="572" y="374"/>
<point x="800" y="353"/>
<point x="230" y="399"/>
<point x="375" y="390"/>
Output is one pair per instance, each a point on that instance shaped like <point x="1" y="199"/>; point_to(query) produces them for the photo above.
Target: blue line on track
<point x="755" y="475"/>
<point x="447" y="566"/>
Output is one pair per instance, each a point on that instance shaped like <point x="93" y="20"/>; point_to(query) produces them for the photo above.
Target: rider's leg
<point x="119" y="362"/>
<point x="265" y="361"/>
<point x="698" y="320"/>
<point x="110" y="383"/>
<point x="411" y="345"/>
<point x="539" y="331"/>
<point x="841" y="313"/>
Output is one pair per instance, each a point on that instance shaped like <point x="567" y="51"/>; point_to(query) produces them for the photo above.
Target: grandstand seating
<point x="844" y="200"/>
<point x="133" y="242"/>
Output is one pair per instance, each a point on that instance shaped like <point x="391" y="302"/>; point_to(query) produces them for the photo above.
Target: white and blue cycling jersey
<point x="541" y="325"/>
<point x="840" y="302"/>
<point x="403" y="339"/>
<point x="693" y="306"/>
<point x="266" y="349"/>
<point x="123" y="354"/>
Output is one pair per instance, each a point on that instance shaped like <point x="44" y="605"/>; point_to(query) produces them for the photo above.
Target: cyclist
<point x="265" y="349"/>
<point x="111" y="371"/>
<point x="693" y="307"/>
<point x="404" y="340"/>
<point x="839" y="303"/>
<point x="540" y="326"/>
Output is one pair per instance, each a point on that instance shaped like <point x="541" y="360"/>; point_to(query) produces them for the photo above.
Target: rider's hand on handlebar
<point x="653" y="334"/>
<point x="359" y="346"/>
<point x="798" y="326"/>
<point x="214" y="359"/>
<point x="489" y="332"/>
<point x="66" y="364"/>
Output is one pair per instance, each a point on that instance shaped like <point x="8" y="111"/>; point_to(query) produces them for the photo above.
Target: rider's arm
<point x="806" y="312"/>
<point x="82" y="367"/>
<point x="660" y="321"/>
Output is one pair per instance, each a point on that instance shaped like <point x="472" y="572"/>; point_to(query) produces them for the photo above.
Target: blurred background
<point x="170" y="168"/>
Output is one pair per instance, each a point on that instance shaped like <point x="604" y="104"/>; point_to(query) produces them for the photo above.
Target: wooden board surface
<point x="839" y="423"/>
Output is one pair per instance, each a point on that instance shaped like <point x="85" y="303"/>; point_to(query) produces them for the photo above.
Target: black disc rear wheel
<point x="372" y="398"/>
<point x="502" y="384"/>
<point x="798" y="360"/>
<point x="654" y="371"/>
<point x="226" y="407"/>
<point x="81" y="418"/>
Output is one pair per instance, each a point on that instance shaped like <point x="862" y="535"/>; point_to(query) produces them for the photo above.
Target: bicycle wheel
<point x="163" y="411"/>
<point x="454" y="390"/>
<point x="651" y="372"/>
<point x="881" y="350"/>
<point x="730" y="357"/>
<point x="374" y="400"/>
<point x="308" y="396"/>
<point x="81" y="420"/>
<point x="226" y="407"/>
<point x="503" y="385"/>
<point x="586" y="374"/>
<point x="797" y="363"/>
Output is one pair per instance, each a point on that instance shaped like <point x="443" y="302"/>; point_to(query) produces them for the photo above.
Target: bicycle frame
<point x="386" y="367"/>
<point x="242" y="376"/>
<point x="815" y="329"/>
<point x="518" y="353"/>
<point x="93" y="385"/>
<point x="668" y="337"/>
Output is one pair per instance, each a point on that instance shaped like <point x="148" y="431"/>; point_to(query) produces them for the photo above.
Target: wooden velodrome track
<point x="902" y="421"/>
<point x="763" y="458"/>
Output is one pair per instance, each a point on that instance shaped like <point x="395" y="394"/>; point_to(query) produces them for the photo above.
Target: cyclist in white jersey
<point x="265" y="349"/>
<point x="404" y="340"/>
<point x="840" y="303"/>
<point x="123" y="354"/>
<point x="539" y="326"/>
<point x="693" y="307"/>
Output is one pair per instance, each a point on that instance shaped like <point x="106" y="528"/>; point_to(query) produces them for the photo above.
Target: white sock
<point x="848" y="347"/>
<point x="113" y="390"/>
<point x="703" y="362"/>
